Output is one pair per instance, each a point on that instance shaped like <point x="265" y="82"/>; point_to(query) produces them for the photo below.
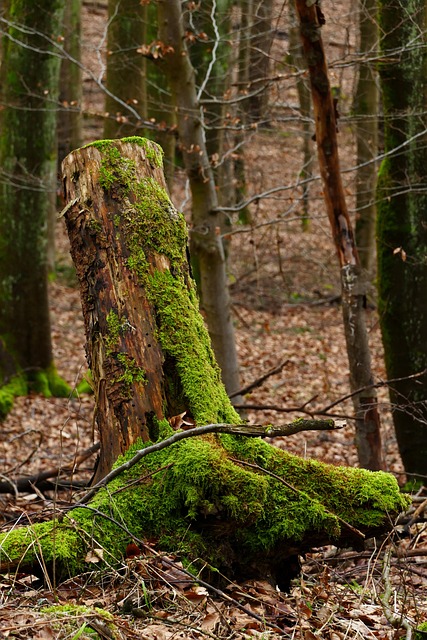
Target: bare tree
<point x="368" y="437"/>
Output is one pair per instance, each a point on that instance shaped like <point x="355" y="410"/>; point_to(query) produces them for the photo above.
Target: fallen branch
<point x="39" y="480"/>
<point x="248" y="430"/>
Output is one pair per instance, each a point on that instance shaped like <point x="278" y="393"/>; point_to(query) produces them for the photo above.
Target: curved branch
<point x="248" y="430"/>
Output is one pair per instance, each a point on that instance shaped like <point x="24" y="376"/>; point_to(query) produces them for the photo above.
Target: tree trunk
<point x="259" y="59"/>
<point x="125" y="67"/>
<point x="402" y="225"/>
<point x="366" y="110"/>
<point x="70" y="97"/>
<point x="29" y="93"/>
<point x="241" y="505"/>
<point x="160" y="108"/>
<point x="368" y="438"/>
<point x="296" y="59"/>
<point x="206" y="244"/>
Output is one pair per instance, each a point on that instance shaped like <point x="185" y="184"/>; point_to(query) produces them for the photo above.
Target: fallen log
<point x="244" y="506"/>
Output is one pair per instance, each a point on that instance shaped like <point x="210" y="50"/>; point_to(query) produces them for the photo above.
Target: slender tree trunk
<point x="368" y="438"/>
<point x="366" y="110"/>
<point x="29" y="86"/>
<point x="402" y="223"/>
<point x="206" y="244"/>
<point x="297" y="60"/>
<point x="259" y="58"/>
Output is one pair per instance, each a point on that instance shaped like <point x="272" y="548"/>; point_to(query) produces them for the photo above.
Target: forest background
<point x="283" y="274"/>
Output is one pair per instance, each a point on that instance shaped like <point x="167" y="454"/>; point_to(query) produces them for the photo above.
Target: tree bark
<point x="205" y="236"/>
<point x="402" y="224"/>
<point x="368" y="437"/>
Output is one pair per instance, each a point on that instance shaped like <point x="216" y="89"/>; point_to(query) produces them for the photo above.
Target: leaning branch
<point x="248" y="430"/>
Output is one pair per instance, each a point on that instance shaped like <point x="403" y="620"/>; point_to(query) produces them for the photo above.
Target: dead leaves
<point x="182" y="421"/>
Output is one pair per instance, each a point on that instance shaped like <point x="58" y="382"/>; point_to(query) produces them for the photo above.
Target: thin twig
<point x="259" y="381"/>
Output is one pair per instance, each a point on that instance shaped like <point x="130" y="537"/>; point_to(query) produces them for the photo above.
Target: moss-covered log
<point x="241" y="504"/>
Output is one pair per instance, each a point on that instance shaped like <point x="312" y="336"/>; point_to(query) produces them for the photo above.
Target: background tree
<point x="205" y="240"/>
<point x="29" y="86"/>
<point x="402" y="223"/>
<point x="366" y="103"/>
<point x="368" y="436"/>
<point x="71" y="87"/>
<point x="126" y="68"/>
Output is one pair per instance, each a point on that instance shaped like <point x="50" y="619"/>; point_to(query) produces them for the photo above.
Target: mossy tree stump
<point x="244" y="506"/>
<point x="146" y="345"/>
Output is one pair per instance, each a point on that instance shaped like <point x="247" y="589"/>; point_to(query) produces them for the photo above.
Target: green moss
<point x="187" y="489"/>
<point x="48" y="383"/>
<point x="52" y="542"/>
<point x="75" y="620"/>
<point x="8" y="392"/>
<point x="79" y="610"/>
<point x="131" y="371"/>
<point x="183" y="336"/>
<point x="115" y="329"/>
<point x="421" y="631"/>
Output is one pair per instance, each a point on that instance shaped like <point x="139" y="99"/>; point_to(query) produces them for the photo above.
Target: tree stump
<point x="147" y="348"/>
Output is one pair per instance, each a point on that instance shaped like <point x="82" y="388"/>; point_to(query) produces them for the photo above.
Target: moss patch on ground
<point x="47" y="382"/>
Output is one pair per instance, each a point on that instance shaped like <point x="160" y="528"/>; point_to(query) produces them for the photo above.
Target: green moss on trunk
<point x="29" y="90"/>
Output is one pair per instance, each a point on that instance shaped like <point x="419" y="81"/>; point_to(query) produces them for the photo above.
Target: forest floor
<point x="285" y="291"/>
